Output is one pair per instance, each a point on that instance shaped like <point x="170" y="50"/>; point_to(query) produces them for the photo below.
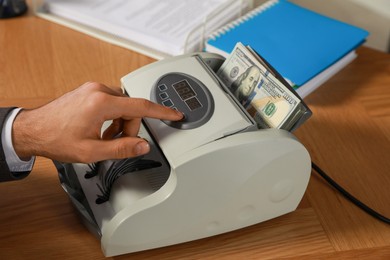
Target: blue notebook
<point x="296" y="41"/>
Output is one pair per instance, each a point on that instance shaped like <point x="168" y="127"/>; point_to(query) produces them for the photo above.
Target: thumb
<point x="120" y="148"/>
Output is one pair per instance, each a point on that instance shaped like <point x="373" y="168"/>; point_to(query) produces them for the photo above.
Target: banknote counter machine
<point x="210" y="173"/>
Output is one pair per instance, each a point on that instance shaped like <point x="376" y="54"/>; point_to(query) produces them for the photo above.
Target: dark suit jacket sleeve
<point x="5" y="174"/>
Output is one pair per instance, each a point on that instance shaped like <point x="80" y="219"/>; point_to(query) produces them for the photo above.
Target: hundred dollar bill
<point x="302" y="112"/>
<point x="270" y="102"/>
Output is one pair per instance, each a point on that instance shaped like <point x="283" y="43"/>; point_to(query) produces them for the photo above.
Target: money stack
<point x="260" y="89"/>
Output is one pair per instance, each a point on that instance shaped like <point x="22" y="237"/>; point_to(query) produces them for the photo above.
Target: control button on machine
<point x="168" y="103"/>
<point x="164" y="95"/>
<point x="162" y="87"/>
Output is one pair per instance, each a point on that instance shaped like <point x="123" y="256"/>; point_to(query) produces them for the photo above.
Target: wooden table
<point x="348" y="136"/>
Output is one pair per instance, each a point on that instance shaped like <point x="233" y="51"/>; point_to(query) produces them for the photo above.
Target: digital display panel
<point x="193" y="103"/>
<point x="186" y="94"/>
<point x="184" y="90"/>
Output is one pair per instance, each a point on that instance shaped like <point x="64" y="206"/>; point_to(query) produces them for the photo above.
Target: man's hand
<point x="69" y="128"/>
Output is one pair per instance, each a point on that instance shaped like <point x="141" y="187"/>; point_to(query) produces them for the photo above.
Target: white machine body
<point x="218" y="175"/>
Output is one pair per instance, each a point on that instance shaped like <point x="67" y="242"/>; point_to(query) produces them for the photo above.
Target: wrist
<point x="24" y="135"/>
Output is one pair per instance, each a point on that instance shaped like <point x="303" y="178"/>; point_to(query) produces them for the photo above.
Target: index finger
<point x="128" y="108"/>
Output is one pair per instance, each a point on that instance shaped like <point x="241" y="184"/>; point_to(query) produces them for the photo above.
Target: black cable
<point x="347" y="195"/>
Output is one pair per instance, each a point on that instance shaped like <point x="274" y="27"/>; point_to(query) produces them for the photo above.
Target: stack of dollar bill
<point x="266" y="95"/>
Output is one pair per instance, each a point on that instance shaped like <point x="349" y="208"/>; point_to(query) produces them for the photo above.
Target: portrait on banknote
<point x="243" y="87"/>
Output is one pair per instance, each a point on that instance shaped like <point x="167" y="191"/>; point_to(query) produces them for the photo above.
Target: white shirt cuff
<point x="15" y="164"/>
